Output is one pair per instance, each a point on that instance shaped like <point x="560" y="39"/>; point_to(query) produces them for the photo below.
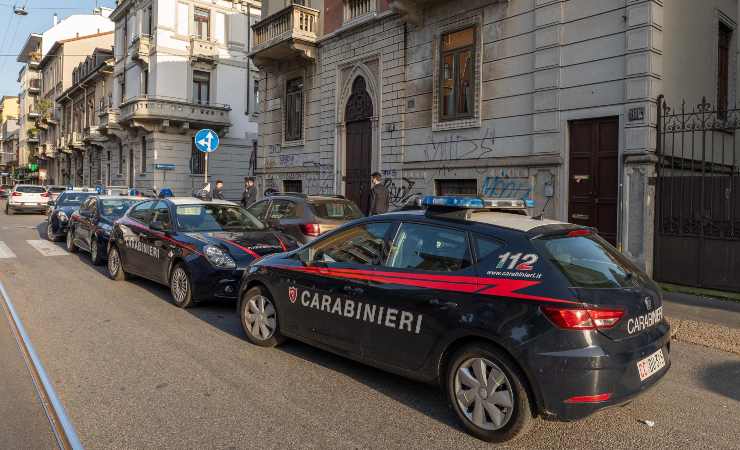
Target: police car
<point x="198" y="248"/>
<point x="515" y="316"/>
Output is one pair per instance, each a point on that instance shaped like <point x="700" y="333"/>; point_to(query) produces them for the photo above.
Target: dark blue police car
<point x="197" y="248"/>
<point x="91" y="225"/>
<point x="514" y="316"/>
<point x="61" y="210"/>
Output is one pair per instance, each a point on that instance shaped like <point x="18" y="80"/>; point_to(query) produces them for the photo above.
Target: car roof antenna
<point x="541" y="215"/>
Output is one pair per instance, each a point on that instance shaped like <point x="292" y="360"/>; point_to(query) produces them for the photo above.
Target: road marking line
<point x="62" y="427"/>
<point x="47" y="248"/>
<point x="5" y="251"/>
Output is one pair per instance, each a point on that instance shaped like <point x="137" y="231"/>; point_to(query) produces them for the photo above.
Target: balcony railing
<point x="202" y="50"/>
<point x="107" y="118"/>
<point x="153" y="108"/>
<point x="34" y="86"/>
<point x="292" y="25"/>
<point x="140" y="47"/>
<point x="33" y="114"/>
<point x="355" y="9"/>
<point x="75" y="140"/>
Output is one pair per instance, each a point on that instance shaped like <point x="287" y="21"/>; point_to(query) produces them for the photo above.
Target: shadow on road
<point x="723" y="379"/>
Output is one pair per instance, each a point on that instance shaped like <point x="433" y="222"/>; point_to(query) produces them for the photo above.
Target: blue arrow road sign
<point x="206" y="140"/>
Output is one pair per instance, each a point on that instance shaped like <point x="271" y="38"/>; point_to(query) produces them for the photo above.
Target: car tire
<point x="95" y="255"/>
<point x="115" y="268"/>
<point x="70" y="243"/>
<point x="50" y="232"/>
<point x="259" y="318"/>
<point x="492" y="412"/>
<point x="181" y="287"/>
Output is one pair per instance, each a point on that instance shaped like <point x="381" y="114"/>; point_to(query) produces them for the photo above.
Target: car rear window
<point x="31" y="189"/>
<point x="336" y="210"/>
<point x="589" y="262"/>
<point x="56" y="189"/>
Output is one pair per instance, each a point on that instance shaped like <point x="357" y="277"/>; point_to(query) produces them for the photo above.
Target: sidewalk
<point x="704" y="321"/>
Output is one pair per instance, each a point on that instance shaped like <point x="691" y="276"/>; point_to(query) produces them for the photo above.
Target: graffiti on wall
<point x="504" y="187"/>
<point x="400" y="193"/>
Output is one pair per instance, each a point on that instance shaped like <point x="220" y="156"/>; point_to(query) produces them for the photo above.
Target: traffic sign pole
<point x="205" y="178"/>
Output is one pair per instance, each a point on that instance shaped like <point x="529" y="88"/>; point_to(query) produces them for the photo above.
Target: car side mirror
<point x="156" y="225"/>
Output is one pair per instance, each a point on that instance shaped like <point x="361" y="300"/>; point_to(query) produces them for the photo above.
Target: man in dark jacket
<point x="379" y="198"/>
<point x="218" y="193"/>
<point x="249" y="196"/>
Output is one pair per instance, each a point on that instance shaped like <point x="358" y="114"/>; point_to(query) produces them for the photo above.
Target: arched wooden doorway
<point x="358" y="158"/>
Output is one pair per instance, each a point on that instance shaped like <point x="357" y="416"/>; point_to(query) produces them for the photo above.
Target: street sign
<point x="164" y="166"/>
<point x="206" y="140"/>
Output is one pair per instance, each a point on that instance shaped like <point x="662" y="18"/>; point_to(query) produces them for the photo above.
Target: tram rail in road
<point x="62" y="427"/>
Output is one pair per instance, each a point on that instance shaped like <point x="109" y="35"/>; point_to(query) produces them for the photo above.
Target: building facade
<point x="181" y="66"/>
<point x="546" y="100"/>
<point x="8" y="138"/>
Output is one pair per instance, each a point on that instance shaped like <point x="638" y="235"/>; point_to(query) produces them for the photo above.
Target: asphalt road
<point x="134" y="371"/>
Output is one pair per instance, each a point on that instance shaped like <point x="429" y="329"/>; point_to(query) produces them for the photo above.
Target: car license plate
<point x="650" y="365"/>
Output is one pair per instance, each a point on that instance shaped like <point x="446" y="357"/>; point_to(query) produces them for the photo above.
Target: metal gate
<point x="697" y="223"/>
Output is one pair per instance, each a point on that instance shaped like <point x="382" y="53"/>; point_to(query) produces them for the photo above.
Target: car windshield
<point x="336" y="209"/>
<point x="72" y="198"/>
<point x="215" y="217"/>
<point x="115" y="208"/>
<point x="30" y="189"/>
<point x="589" y="262"/>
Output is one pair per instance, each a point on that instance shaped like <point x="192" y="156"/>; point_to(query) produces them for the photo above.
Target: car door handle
<point x="438" y="302"/>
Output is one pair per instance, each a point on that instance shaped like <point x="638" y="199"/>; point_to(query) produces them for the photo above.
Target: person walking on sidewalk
<point x="249" y="196"/>
<point x="218" y="193"/>
<point x="379" y="198"/>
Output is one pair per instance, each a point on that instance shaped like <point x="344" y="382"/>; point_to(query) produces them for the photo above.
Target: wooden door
<point x="594" y="175"/>
<point x="359" y="144"/>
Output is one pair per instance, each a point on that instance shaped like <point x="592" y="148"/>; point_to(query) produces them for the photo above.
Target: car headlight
<point x="61" y="216"/>
<point x="218" y="257"/>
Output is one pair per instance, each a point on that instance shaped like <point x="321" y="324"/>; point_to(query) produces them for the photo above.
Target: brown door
<point x="358" y="153"/>
<point x="594" y="175"/>
<point x="359" y="146"/>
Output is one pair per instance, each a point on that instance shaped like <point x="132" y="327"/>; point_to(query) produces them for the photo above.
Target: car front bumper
<point x="209" y="282"/>
<point x="596" y="370"/>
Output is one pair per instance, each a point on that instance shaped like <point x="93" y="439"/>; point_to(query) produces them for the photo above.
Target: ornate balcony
<point x="203" y="50"/>
<point x="93" y="134"/>
<point x="291" y="32"/>
<point x="75" y="140"/>
<point x="107" y="119"/>
<point x="147" y="111"/>
<point x="34" y="86"/>
<point x="140" y="48"/>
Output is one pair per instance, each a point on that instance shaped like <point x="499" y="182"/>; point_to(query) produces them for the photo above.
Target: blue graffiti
<point x="500" y="187"/>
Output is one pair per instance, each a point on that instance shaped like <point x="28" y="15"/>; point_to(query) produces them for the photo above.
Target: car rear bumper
<point x="28" y="207"/>
<point x="566" y="379"/>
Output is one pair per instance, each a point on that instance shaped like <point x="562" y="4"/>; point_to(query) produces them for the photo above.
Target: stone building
<point x="181" y="65"/>
<point x="547" y="100"/>
<point x="8" y="138"/>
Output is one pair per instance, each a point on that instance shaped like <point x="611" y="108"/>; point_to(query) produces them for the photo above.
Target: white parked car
<point x="27" y="197"/>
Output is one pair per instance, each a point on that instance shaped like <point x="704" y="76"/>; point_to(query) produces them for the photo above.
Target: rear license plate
<point x="650" y="365"/>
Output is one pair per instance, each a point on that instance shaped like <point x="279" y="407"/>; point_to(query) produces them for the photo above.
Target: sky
<point x="14" y="30"/>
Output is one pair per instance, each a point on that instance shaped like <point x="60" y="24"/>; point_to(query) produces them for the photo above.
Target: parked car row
<point x="513" y="316"/>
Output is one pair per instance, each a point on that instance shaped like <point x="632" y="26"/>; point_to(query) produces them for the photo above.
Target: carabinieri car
<point x="514" y="316"/>
<point x="198" y="248"/>
<point x="90" y="226"/>
<point x="61" y="210"/>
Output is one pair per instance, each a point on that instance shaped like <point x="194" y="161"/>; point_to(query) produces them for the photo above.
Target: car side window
<point x="361" y="244"/>
<point x="283" y="209"/>
<point x="142" y="212"/>
<point x="485" y="246"/>
<point x="430" y="248"/>
<point x="161" y="213"/>
<point x="259" y="209"/>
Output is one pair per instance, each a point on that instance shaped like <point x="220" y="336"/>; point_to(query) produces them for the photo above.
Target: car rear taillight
<point x="311" y="229"/>
<point x="44" y="194"/>
<point x="576" y="233"/>
<point x="590" y="398"/>
<point x="583" y="319"/>
<point x="16" y="194"/>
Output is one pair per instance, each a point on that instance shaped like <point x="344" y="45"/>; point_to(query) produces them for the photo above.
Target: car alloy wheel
<point x="483" y="393"/>
<point x="50" y="232"/>
<point x="260" y="317"/>
<point x="180" y="287"/>
<point x="71" y="247"/>
<point x="115" y="266"/>
<point x="94" y="255"/>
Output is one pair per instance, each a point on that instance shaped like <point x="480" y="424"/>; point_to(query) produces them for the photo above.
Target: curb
<point x="706" y="334"/>
<point x="700" y="292"/>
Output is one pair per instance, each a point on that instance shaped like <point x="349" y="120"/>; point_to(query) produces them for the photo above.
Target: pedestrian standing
<point x="218" y="193"/>
<point x="379" y="198"/>
<point x="249" y="196"/>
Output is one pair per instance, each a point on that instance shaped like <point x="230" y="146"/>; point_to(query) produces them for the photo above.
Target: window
<point x="723" y="67"/>
<point x="336" y="209"/>
<point x="108" y="178"/>
<point x="143" y="154"/>
<point x="259" y="209"/>
<point x="457" y="75"/>
<point x="456" y="187"/>
<point x="161" y="213"/>
<point x="485" y="247"/>
<point x="197" y="161"/>
<point x="294" y="110"/>
<point x="293" y="186"/>
<point x="282" y="209"/>
<point x="120" y="158"/>
<point x="431" y="248"/>
<point x="362" y="244"/>
<point x="201" y="87"/>
<point x="122" y="82"/>
<point x="142" y="212"/>
<point x="145" y="82"/>
<point x="201" y="23"/>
